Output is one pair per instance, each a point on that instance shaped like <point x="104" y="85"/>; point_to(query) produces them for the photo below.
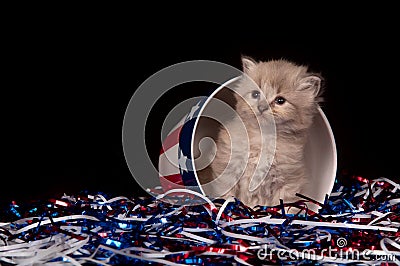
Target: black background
<point x="71" y="82"/>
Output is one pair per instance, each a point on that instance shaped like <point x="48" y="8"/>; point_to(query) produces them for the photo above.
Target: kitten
<point x="286" y="95"/>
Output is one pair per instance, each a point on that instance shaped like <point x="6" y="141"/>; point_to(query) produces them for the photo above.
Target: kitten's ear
<point x="248" y="64"/>
<point x="311" y="83"/>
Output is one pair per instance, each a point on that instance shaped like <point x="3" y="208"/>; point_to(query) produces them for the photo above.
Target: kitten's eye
<point x="280" y="100"/>
<point x="255" y="94"/>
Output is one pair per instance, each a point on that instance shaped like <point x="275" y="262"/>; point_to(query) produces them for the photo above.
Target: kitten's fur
<point x="287" y="174"/>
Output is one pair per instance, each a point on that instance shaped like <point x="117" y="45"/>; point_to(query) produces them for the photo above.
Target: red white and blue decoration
<point x="357" y="225"/>
<point x="178" y="144"/>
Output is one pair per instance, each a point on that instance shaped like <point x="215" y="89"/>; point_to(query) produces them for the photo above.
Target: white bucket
<point x="178" y="170"/>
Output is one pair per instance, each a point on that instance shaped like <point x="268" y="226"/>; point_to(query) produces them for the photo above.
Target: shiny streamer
<point x="358" y="223"/>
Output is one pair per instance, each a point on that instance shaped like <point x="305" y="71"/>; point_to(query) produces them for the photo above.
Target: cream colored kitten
<point x="286" y="95"/>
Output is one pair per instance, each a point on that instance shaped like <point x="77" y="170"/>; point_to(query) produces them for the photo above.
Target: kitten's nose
<point x="262" y="107"/>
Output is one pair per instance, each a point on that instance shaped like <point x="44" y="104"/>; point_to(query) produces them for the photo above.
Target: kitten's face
<point x="284" y="90"/>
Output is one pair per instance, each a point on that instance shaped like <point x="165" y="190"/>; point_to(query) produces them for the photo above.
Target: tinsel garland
<point x="358" y="224"/>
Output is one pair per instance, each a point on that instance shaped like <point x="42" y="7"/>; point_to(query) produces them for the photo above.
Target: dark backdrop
<point x="71" y="84"/>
